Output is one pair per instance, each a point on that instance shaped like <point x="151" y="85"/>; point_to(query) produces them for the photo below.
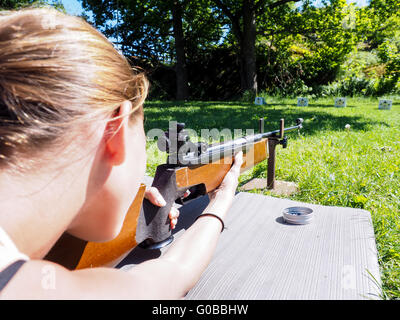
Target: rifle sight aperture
<point x="177" y="140"/>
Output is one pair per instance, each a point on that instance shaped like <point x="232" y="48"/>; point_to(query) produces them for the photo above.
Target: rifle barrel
<point x="230" y="148"/>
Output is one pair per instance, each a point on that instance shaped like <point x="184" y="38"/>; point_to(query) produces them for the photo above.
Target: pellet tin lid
<point x="298" y="215"/>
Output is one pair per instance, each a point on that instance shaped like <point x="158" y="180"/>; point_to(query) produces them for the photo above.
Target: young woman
<point x="72" y="156"/>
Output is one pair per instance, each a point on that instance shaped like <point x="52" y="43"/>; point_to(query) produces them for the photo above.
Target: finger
<point x="173" y="223"/>
<point x="155" y="197"/>
<point x="174" y="213"/>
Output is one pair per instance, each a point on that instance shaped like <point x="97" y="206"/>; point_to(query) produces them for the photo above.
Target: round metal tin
<point x="298" y="215"/>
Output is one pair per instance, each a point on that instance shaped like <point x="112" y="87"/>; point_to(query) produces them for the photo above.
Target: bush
<point x="248" y="96"/>
<point x="348" y="87"/>
<point x="360" y="87"/>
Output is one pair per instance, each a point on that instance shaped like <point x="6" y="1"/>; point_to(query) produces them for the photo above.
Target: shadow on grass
<point x="234" y="115"/>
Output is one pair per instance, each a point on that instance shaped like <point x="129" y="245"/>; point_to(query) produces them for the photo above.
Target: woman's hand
<point x="222" y="197"/>
<point x="154" y="196"/>
<point x="230" y="182"/>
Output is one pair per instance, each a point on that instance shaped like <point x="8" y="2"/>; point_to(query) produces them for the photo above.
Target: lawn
<point x="357" y="167"/>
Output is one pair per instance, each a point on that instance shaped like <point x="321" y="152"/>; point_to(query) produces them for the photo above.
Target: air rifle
<point x="197" y="167"/>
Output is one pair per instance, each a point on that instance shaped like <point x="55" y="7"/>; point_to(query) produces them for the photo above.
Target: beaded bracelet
<point x="212" y="215"/>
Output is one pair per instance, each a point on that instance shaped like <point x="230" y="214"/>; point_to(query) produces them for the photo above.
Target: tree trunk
<point x="182" y="88"/>
<point x="248" y="48"/>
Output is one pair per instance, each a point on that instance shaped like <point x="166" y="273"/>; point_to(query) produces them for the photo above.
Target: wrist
<point x="221" y="196"/>
<point x="213" y="216"/>
<point x="219" y="205"/>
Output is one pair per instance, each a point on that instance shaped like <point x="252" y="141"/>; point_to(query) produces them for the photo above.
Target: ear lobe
<point x="115" y="134"/>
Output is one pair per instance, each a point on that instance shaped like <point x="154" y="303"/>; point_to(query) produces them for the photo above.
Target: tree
<point x="182" y="87"/>
<point x="380" y="32"/>
<point x="243" y="16"/>
<point x="305" y="46"/>
<point x="284" y="43"/>
<point x="159" y="32"/>
<point x="18" y="4"/>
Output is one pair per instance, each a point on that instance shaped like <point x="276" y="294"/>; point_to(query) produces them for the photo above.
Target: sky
<point x="74" y="6"/>
<point x="360" y="3"/>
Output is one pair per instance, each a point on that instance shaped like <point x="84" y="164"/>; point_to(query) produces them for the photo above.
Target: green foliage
<point x="349" y="87"/>
<point x="214" y="75"/>
<point x="332" y="48"/>
<point x="248" y="96"/>
<point x="19" y="4"/>
<point x="329" y="48"/>
<point x="379" y="29"/>
<point x="372" y="67"/>
<point x="361" y="64"/>
<point x="144" y="28"/>
<point x="297" y="47"/>
<point x="331" y="43"/>
<point x="306" y="47"/>
<point x="389" y="52"/>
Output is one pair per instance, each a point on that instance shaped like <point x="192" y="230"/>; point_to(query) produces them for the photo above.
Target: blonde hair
<point x="57" y="71"/>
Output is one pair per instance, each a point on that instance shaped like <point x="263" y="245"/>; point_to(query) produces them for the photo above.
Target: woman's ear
<point x="116" y="134"/>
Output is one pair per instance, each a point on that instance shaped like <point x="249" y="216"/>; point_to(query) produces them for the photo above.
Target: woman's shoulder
<point x="9" y="253"/>
<point x="11" y="259"/>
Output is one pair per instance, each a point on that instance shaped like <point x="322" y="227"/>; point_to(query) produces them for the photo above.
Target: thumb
<point x="155" y="197"/>
<point x="238" y="161"/>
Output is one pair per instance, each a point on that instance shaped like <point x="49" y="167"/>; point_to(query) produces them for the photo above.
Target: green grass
<point x="357" y="168"/>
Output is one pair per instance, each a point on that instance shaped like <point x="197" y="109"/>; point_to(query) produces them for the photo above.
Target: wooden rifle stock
<point x="172" y="182"/>
<point x="211" y="175"/>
